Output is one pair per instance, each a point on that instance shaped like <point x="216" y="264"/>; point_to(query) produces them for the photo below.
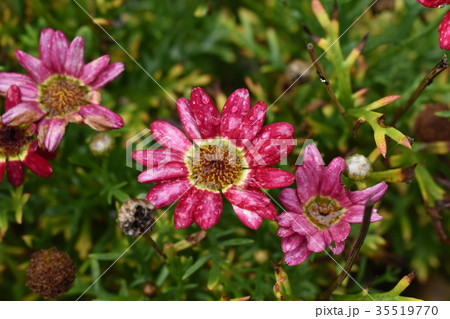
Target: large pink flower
<point x="60" y="88"/>
<point x="320" y="210"/>
<point x="17" y="147"/>
<point x="227" y="153"/>
<point x="444" y="28"/>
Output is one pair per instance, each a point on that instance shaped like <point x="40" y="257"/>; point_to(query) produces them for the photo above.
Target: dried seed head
<point x="298" y="69"/>
<point x="432" y="128"/>
<point x="51" y="273"/>
<point x="358" y="167"/>
<point x="135" y="217"/>
<point x="101" y="144"/>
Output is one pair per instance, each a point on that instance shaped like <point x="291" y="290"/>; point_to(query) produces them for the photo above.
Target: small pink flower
<point x="17" y="147"/>
<point x="320" y="210"/>
<point x="227" y="153"/>
<point x="60" y="88"/>
<point x="444" y="28"/>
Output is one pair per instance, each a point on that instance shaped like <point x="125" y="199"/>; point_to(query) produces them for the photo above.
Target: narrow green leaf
<point x="196" y="266"/>
<point x="236" y="242"/>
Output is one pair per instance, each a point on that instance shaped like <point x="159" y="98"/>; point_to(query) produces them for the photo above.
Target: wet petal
<point x="38" y="165"/>
<point x="308" y="182"/>
<point x="27" y="85"/>
<point x="205" y="112"/>
<point x="339" y="231"/>
<point x="317" y="242"/>
<point x="209" y="209"/>
<point x="234" y="111"/>
<point x="289" y="199"/>
<point x="339" y="247"/>
<point x="23" y="113"/>
<point x="355" y="214"/>
<point x="55" y="133"/>
<point x="75" y="57"/>
<point x="169" y="136"/>
<point x="248" y="198"/>
<point x="331" y="182"/>
<point x="13" y="97"/>
<point x="270" y="178"/>
<point x="45" y="47"/>
<point x="284" y="232"/>
<point x="157" y="157"/>
<point x="59" y="51"/>
<point x="248" y="218"/>
<point x="292" y="242"/>
<point x="163" y="172"/>
<point x="433" y="3"/>
<point x="187" y="118"/>
<point x="184" y="211"/>
<point x="312" y="156"/>
<point x="34" y="66"/>
<point x="100" y="118"/>
<point x="444" y="32"/>
<point x="109" y="74"/>
<point x="166" y="193"/>
<point x="251" y="125"/>
<point x="375" y="192"/>
<point x="91" y="70"/>
<point x="14" y="170"/>
<point x="297" y="256"/>
<point x="2" y="168"/>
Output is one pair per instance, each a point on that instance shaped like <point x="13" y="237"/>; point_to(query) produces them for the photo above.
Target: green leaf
<point x="445" y="114"/>
<point x="236" y="242"/>
<point x="214" y="273"/>
<point x="196" y="266"/>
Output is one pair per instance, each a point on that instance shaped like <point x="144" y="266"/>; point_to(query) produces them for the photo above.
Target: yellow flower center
<point x="323" y="211"/>
<point x="61" y="95"/>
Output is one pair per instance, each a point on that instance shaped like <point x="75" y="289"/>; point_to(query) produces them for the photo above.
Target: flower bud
<point x="358" y="167"/>
<point x="101" y="144"/>
<point x="51" y="273"/>
<point x="135" y="217"/>
<point x="297" y="71"/>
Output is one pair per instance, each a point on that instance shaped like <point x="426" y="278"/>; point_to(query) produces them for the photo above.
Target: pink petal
<point x="433" y="3"/>
<point x="59" y="51"/>
<point x="251" y="125"/>
<point x="165" y="193"/>
<point x="100" y="118"/>
<point x="302" y="225"/>
<point x="312" y="156"/>
<point x="289" y="199"/>
<point x="27" y="85"/>
<point x="248" y="218"/>
<point x="169" y="136"/>
<point x="157" y="157"/>
<point x="13" y="97"/>
<point x="75" y="57"/>
<point x="375" y="192"/>
<point x="249" y="198"/>
<point x="164" y="172"/>
<point x="308" y="182"/>
<point x="91" y="70"/>
<point x="14" y="170"/>
<point x="444" y="32"/>
<point x="331" y="184"/>
<point x="355" y="214"/>
<point x="55" y="133"/>
<point x="268" y="212"/>
<point x="270" y="178"/>
<point x="187" y="118"/>
<point x="23" y="113"/>
<point x="292" y="242"/>
<point x="34" y="66"/>
<point x="209" y="209"/>
<point x="109" y="74"/>
<point x="184" y="211"/>
<point x="339" y="247"/>
<point x="317" y="242"/>
<point x="2" y="169"/>
<point x="45" y="47"/>
<point x="38" y="165"/>
<point x="284" y="232"/>
<point x="234" y="111"/>
<point x="298" y="255"/>
<point x="205" y="112"/>
<point x="339" y="231"/>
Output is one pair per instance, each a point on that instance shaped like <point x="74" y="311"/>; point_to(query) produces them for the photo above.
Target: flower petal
<point x="251" y="125"/>
<point x="209" y="209"/>
<point x="289" y="199"/>
<point x="234" y="111"/>
<point x="205" y="112"/>
<point x="433" y="3"/>
<point x="292" y="242"/>
<point x="13" y="97"/>
<point x="297" y="256"/>
<point x="157" y="157"/>
<point x="14" y="170"/>
<point x="188" y="121"/>
<point x="270" y="178"/>
<point x="23" y="113"/>
<point x="91" y="70"/>
<point x="59" y="51"/>
<point x="184" y="211"/>
<point x="317" y="242"/>
<point x="165" y="193"/>
<point x="55" y="133"/>
<point x="169" y="136"/>
<point x="355" y="214"/>
<point x="248" y="198"/>
<point x="302" y="225"/>
<point x="45" y="47"/>
<point x="2" y="168"/>
<point x="38" y="165"/>
<point x="444" y="32"/>
<point x="268" y="212"/>
<point x="163" y="172"/>
<point x="339" y="231"/>
<point x="109" y="74"/>
<point x="75" y="57"/>
<point x="312" y="156"/>
<point x="331" y="183"/>
<point x="308" y="182"/>
<point x="34" y="66"/>
<point x="339" y="247"/>
<point x="100" y="118"/>
<point x="284" y="232"/>
<point x="249" y="218"/>
<point x="375" y="193"/>
<point x="27" y="85"/>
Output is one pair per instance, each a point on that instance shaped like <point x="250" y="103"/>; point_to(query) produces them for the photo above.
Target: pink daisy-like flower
<point x="60" y="88"/>
<point x="17" y="147"/>
<point x="320" y="210"/>
<point x="444" y="28"/>
<point x="227" y="153"/>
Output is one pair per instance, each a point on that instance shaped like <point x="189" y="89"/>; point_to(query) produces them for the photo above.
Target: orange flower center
<point x="323" y="211"/>
<point x="61" y="95"/>
<point x="13" y="141"/>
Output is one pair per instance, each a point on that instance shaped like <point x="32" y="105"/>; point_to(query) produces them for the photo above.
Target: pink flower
<point x="227" y="153"/>
<point x="60" y="88"/>
<point x="444" y="28"/>
<point x="17" y="147"/>
<point x="320" y="210"/>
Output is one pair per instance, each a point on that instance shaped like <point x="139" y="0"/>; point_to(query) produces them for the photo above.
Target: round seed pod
<point x="135" y="217"/>
<point x="358" y="167"/>
<point x="51" y="273"/>
<point x="298" y="69"/>
<point x="101" y="144"/>
<point x="431" y="128"/>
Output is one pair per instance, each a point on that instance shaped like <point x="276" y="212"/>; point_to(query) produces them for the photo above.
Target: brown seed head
<point x="135" y="217"/>
<point x="432" y="128"/>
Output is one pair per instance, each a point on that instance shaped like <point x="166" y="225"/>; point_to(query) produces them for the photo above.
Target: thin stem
<point x="155" y="246"/>
<point x="323" y="77"/>
<point x="427" y="80"/>
<point x="354" y="251"/>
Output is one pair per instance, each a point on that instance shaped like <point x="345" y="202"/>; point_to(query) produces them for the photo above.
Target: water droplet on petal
<point x="234" y="109"/>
